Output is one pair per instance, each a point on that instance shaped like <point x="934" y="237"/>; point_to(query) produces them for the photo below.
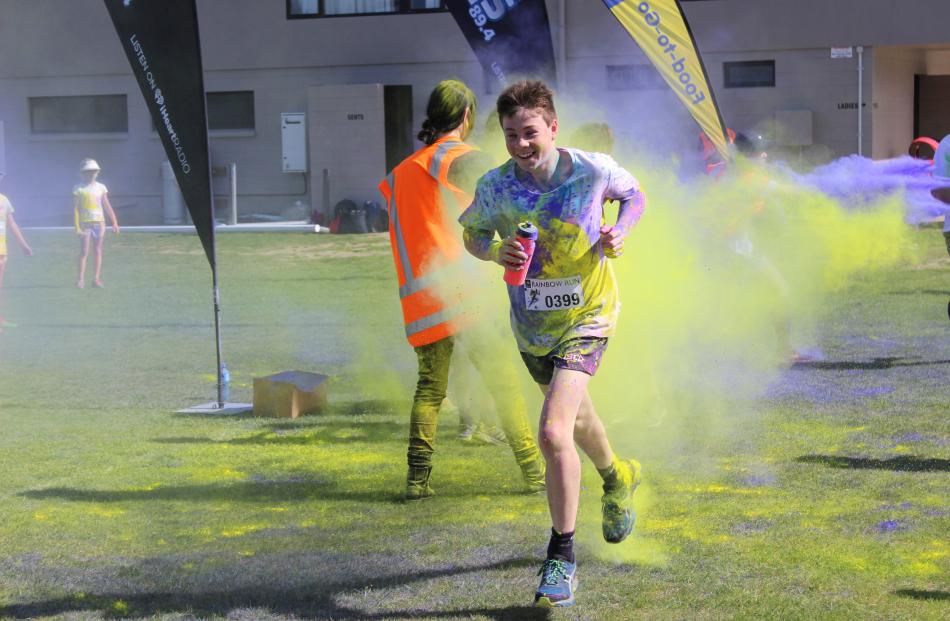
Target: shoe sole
<point x="547" y="602"/>
<point x="544" y="602"/>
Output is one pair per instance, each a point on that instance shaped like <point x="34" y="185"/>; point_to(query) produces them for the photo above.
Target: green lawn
<point x="820" y="491"/>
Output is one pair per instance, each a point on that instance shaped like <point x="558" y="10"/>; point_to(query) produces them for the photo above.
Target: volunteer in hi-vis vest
<point x="424" y="195"/>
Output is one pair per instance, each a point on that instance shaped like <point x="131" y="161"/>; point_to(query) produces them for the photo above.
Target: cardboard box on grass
<point x="290" y="394"/>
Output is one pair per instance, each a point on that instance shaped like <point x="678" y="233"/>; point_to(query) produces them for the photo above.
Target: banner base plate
<point x="213" y="407"/>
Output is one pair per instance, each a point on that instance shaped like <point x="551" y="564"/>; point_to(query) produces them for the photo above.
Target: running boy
<point x="7" y="221"/>
<point x="90" y="200"/>
<point x="568" y="306"/>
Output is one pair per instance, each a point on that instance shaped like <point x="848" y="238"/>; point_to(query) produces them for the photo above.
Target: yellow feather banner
<point x="660" y="29"/>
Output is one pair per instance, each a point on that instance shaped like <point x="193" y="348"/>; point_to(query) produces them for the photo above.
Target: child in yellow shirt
<point x="7" y="222"/>
<point x="90" y="204"/>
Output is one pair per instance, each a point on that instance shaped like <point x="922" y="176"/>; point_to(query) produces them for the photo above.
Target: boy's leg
<point x="434" y="361"/>
<point x="590" y="435"/>
<point x="563" y="398"/>
<point x="621" y="477"/>
<point x="556" y="436"/>
<point x="98" y="241"/>
<point x="83" y="253"/>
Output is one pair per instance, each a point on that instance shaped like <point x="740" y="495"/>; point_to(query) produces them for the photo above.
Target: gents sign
<point x="510" y="38"/>
<point x="161" y="42"/>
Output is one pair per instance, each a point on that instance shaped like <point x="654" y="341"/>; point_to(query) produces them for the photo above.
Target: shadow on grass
<point x="921" y="292"/>
<point x="905" y="463"/>
<point x="917" y="594"/>
<point x="364" y="432"/>
<point x="368" y="407"/>
<point x="316" y="600"/>
<point x="246" y="491"/>
<point x="888" y="362"/>
<point x="258" y="490"/>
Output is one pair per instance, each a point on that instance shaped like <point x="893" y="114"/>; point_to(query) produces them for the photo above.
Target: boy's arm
<point x="76" y="214"/>
<point x="483" y="245"/>
<point x="612" y="237"/>
<point x="108" y="206"/>
<point x="624" y="188"/>
<point x="18" y="236"/>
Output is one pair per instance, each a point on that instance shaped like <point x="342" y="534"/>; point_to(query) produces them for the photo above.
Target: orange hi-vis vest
<point x="422" y="206"/>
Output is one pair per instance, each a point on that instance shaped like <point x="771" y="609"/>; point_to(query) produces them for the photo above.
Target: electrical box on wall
<point x="293" y="137"/>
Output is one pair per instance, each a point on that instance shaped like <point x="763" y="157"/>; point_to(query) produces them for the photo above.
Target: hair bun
<point x="428" y="132"/>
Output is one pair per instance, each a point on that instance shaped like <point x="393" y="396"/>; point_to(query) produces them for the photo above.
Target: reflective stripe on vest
<point x="431" y="321"/>
<point x="436" y="164"/>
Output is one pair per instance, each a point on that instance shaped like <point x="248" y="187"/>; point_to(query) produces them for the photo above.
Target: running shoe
<point x="417" y="483"/>
<point x="617" y="502"/>
<point x="6" y="324"/>
<point x="489" y="434"/>
<point x="466" y="431"/>
<point x="558" y="581"/>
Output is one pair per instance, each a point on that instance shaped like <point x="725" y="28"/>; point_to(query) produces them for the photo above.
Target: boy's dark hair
<point x="528" y="94"/>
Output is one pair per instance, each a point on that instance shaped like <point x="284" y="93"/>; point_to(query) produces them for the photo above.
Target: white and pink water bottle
<point x="527" y="234"/>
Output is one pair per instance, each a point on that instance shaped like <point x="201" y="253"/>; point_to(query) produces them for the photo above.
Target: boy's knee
<point x="554" y="438"/>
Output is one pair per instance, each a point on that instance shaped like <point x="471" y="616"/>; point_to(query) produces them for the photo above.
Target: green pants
<point x="500" y="379"/>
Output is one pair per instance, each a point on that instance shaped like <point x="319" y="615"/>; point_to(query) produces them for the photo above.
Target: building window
<point x="749" y="73"/>
<point x="80" y="114"/>
<point x="335" y="8"/>
<point x="633" y="77"/>
<point x="231" y="110"/>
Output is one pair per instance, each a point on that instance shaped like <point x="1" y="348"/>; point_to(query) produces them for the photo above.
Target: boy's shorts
<point x="581" y="354"/>
<point x="92" y="229"/>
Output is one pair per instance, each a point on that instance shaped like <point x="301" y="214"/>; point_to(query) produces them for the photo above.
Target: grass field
<point x="834" y="504"/>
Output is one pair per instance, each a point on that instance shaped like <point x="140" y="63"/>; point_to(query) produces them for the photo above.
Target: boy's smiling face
<point x="529" y="138"/>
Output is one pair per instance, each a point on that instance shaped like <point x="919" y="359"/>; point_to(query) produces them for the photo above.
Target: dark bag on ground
<point x="350" y="216"/>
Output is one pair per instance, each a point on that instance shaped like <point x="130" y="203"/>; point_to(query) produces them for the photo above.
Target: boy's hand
<point x="611" y="240"/>
<point x="27" y="250"/>
<point x="115" y="228"/>
<point x="511" y="254"/>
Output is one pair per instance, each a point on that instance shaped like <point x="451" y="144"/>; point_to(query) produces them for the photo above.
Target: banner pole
<point x="217" y="331"/>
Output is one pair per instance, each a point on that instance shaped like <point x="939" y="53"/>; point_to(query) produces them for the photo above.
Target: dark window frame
<point x="63" y="131"/>
<point x="211" y="122"/>
<point x="731" y="82"/>
<point x="219" y="131"/>
<point x="403" y="9"/>
<point x="634" y="77"/>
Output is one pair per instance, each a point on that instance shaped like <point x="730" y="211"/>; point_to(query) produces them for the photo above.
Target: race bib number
<point x="553" y="294"/>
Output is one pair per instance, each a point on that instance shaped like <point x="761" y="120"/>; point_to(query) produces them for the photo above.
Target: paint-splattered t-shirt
<point x="570" y="290"/>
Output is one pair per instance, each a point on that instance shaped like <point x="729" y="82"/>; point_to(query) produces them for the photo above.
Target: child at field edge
<point x="561" y="191"/>
<point x="7" y="221"/>
<point x="90" y="200"/>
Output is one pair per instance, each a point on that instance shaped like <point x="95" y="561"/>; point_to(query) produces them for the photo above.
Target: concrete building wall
<point x="893" y="98"/>
<point x="68" y="47"/>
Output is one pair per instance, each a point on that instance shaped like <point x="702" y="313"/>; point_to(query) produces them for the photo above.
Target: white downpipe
<point x="232" y="192"/>
<point x="860" y="100"/>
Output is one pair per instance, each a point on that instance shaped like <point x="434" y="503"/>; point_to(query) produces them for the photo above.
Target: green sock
<point x="610" y="476"/>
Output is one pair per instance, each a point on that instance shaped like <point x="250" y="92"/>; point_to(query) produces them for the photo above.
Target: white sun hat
<point x="89" y="164"/>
